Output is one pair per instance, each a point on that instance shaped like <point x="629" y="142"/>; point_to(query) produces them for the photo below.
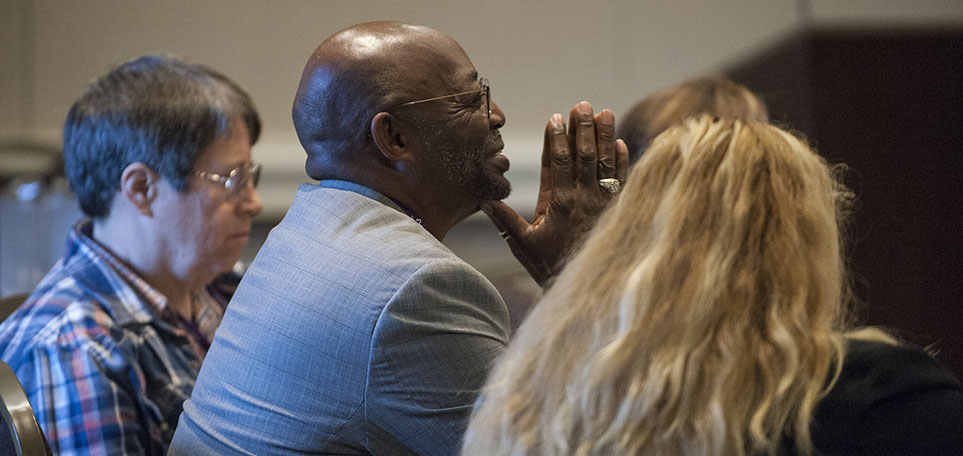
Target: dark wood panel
<point x="888" y="103"/>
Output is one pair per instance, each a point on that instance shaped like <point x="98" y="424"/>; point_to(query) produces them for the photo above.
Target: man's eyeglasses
<point x="484" y="88"/>
<point x="237" y="179"/>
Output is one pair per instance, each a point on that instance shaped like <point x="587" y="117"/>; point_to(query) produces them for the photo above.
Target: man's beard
<point x="465" y="168"/>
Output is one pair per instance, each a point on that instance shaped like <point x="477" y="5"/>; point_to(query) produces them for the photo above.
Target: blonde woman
<point x="705" y="316"/>
<point x="714" y="95"/>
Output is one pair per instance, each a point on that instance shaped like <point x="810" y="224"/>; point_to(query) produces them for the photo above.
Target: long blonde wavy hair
<point x="703" y="316"/>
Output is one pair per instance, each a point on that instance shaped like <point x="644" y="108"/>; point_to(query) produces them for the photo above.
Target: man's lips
<point x="500" y="162"/>
<point x="495" y="145"/>
<point x="495" y="156"/>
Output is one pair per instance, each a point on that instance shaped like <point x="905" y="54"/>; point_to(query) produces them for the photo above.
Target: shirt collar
<point x="129" y="296"/>
<point x="373" y="194"/>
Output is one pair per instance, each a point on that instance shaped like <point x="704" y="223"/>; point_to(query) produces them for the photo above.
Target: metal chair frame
<point x="18" y="416"/>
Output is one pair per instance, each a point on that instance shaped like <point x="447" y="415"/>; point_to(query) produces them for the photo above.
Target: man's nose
<point x="497" y="119"/>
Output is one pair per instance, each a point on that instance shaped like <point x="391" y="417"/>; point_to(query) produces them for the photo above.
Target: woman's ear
<point x="391" y="138"/>
<point x="139" y="186"/>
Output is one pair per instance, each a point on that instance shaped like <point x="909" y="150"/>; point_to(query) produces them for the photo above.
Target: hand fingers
<point x="545" y="177"/>
<point x="621" y="161"/>
<point x="605" y="140"/>
<point x="561" y="159"/>
<point x="586" y="151"/>
<point x="572" y="122"/>
<point x="510" y="225"/>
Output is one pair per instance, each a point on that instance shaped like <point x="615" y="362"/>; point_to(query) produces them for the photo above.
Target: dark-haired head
<point x="155" y="109"/>
<point x="714" y="95"/>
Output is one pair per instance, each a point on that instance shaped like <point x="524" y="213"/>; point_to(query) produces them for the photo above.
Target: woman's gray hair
<point x="156" y="109"/>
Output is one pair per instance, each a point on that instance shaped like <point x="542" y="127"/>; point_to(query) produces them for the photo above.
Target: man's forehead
<point x="438" y="63"/>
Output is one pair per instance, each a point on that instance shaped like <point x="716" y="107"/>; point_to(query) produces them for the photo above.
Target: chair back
<point x="23" y="436"/>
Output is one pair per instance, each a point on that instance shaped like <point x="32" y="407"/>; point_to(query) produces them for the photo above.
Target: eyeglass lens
<point x="239" y="179"/>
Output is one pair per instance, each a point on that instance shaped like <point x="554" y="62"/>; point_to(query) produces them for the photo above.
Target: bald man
<point x="355" y="330"/>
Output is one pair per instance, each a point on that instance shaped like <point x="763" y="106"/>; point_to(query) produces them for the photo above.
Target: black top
<point x="890" y="400"/>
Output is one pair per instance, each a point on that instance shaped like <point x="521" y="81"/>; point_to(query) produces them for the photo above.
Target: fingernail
<point x="584" y="112"/>
<point x="558" y="120"/>
<point x="607" y="117"/>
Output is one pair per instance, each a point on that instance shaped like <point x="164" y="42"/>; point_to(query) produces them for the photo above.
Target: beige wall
<point x="541" y="56"/>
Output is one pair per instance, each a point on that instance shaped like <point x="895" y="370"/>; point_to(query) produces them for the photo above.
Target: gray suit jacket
<point x="354" y="331"/>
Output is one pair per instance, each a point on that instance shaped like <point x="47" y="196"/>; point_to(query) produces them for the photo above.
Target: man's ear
<point x="391" y="138"/>
<point x="139" y="186"/>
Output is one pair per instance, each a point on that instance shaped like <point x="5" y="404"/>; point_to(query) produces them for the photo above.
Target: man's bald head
<point x="356" y="73"/>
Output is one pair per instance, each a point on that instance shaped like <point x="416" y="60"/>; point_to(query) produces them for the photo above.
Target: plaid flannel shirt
<point x="105" y="366"/>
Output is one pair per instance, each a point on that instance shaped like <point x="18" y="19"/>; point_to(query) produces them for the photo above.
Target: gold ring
<point x="610" y="184"/>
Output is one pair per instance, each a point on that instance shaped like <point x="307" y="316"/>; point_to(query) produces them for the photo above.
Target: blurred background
<point x="876" y="84"/>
